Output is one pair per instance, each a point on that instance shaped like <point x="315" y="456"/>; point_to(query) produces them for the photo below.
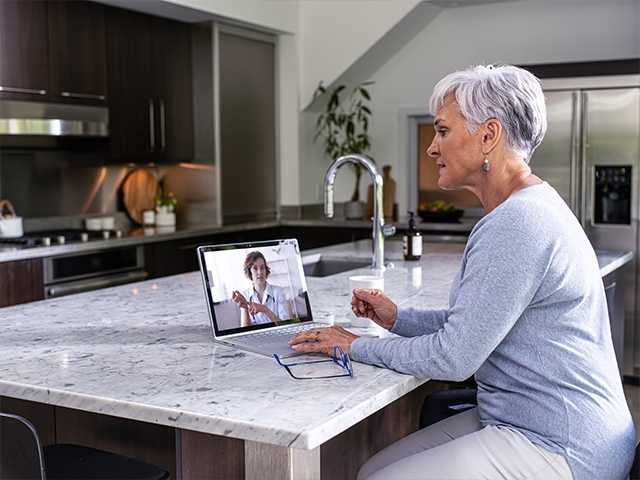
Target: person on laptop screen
<point x="262" y="302"/>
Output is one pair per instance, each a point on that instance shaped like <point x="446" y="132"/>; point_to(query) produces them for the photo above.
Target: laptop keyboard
<point x="274" y="335"/>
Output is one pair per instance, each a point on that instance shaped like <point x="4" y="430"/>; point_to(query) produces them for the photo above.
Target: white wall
<point x="335" y="33"/>
<point x="519" y="32"/>
<point x="279" y="15"/>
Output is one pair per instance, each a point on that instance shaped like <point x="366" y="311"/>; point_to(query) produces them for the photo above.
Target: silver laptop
<point x="268" y="275"/>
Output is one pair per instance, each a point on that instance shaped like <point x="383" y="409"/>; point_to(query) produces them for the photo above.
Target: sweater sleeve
<point x="503" y="267"/>
<point x="411" y="322"/>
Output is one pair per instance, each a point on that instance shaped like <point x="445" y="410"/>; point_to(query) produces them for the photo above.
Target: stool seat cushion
<point x="68" y="462"/>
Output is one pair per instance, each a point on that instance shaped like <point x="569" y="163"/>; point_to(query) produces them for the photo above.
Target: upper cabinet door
<point x="132" y="113"/>
<point x="171" y="47"/>
<point x="77" y="52"/>
<point x="24" y="60"/>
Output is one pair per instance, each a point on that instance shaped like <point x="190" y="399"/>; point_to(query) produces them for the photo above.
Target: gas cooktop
<point x="59" y="237"/>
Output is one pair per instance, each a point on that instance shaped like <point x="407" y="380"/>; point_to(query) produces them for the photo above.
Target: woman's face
<point x="457" y="152"/>
<point x="259" y="271"/>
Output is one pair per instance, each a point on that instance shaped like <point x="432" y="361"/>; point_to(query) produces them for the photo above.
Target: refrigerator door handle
<point x="585" y="187"/>
<point x="574" y="185"/>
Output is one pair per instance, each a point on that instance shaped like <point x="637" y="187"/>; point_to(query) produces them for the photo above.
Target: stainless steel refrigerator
<point x="591" y="155"/>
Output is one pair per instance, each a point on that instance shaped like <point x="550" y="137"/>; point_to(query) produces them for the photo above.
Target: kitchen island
<point x="133" y="369"/>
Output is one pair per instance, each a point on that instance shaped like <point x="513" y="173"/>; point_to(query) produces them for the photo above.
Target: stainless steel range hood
<point x="52" y="119"/>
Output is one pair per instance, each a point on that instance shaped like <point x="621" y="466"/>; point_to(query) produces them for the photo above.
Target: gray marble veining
<point x="144" y="351"/>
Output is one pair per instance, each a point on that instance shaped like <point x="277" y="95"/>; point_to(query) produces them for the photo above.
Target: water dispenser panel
<point x="612" y="195"/>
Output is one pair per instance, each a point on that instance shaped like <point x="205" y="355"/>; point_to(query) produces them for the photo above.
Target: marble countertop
<point x="140" y="236"/>
<point x="144" y="351"/>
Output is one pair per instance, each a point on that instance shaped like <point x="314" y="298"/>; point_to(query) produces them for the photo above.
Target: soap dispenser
<point x="412" y="240"/>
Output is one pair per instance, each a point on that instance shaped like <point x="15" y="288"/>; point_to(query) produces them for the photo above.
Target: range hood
<point x="52" y="119"/>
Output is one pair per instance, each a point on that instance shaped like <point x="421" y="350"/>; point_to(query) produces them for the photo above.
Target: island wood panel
<point x="272" y="461"/>
<point x="342" y="456"/>
<point x="213" y="457"/>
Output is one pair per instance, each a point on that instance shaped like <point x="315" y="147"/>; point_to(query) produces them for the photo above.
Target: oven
<point x="84" y="271"/>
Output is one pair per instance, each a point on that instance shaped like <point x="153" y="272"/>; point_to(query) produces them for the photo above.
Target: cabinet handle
<point x="152" y="133"/>
<point x="22" y="90"/>
<point x="90" y="96"/>
<point x="163" y="136"/>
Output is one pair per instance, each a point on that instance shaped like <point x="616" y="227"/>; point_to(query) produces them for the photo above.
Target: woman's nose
<point x="432" y="150"/>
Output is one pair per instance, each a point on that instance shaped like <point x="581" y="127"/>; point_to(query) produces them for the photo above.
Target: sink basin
<point x="316" y="266"/>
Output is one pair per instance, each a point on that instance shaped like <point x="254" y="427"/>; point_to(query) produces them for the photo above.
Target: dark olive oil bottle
<point x="412" y="241"/>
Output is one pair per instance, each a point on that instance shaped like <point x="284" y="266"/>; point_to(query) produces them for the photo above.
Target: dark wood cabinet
<point x="150" y="93"/>
<point x="24" y="50"/>
<point x="171" y="47"/>
<point x="77" y="52"/>
<point x="179" y="256"/>
<point x="131" y="110"/>
<point x="315" y="237"/>
<point x="21" y="282"/>
<point x="52" y="51"/>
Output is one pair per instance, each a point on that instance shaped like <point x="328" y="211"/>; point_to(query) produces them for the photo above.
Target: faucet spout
<point x="377" y="261"/>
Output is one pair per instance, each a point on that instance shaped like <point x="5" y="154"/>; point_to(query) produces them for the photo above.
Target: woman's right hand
<point x="375" y="305"/>
<point x="240" y="299"/>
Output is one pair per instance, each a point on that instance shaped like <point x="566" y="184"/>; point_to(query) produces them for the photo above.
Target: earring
<point x="485" y="165"/>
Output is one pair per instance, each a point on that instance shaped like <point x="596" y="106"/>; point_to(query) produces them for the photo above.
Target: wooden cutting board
<point x="139" y="192"/>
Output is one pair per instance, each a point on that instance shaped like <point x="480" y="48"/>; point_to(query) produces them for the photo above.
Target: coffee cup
<point x="365" y="281"/>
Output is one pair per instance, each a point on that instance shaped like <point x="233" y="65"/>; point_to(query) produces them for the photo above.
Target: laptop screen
<point x="251" y="286"/>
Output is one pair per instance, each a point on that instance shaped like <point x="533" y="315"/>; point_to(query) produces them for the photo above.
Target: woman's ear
<point x="491" y="135"/>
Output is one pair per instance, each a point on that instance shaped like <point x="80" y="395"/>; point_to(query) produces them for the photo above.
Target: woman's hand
<point x="240" y="299"/>
<point x="323" y="340"/>
<point x="254" y="308"/>
<point x="258" y="308"/>
<point x="375" y="305"/>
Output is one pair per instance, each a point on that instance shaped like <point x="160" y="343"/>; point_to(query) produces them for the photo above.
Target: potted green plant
<point x="344" y="128"/>
<point x="166" y="204"/>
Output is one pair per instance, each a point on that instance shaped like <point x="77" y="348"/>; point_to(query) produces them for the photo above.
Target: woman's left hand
<point x="323" y="340"/>
<point x="255" y="307"/>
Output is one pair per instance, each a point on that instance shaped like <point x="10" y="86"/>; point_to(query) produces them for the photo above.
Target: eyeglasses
<point x="339" y="357"/>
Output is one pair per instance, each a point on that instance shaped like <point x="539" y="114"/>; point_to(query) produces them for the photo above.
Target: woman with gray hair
<point x="527" y="311"/>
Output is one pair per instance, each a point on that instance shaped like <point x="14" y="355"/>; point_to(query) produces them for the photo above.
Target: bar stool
<point x="445" y="403"/>
<point x="22" y="456"/>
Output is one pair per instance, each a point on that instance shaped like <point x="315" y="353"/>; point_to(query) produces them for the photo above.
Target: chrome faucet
<point x="380" y="230"/>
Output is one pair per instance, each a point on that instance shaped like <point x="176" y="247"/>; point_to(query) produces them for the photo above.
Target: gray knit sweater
<point x="528" y="316"/>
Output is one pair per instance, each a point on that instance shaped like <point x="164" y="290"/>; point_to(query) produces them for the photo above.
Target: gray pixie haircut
<point x="511" y="95"/>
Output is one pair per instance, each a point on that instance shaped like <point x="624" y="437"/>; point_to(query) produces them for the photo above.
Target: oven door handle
<point x="62" y="289"/>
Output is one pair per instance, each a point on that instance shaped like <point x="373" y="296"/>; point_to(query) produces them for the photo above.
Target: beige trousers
<point x="459" y="448"/>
